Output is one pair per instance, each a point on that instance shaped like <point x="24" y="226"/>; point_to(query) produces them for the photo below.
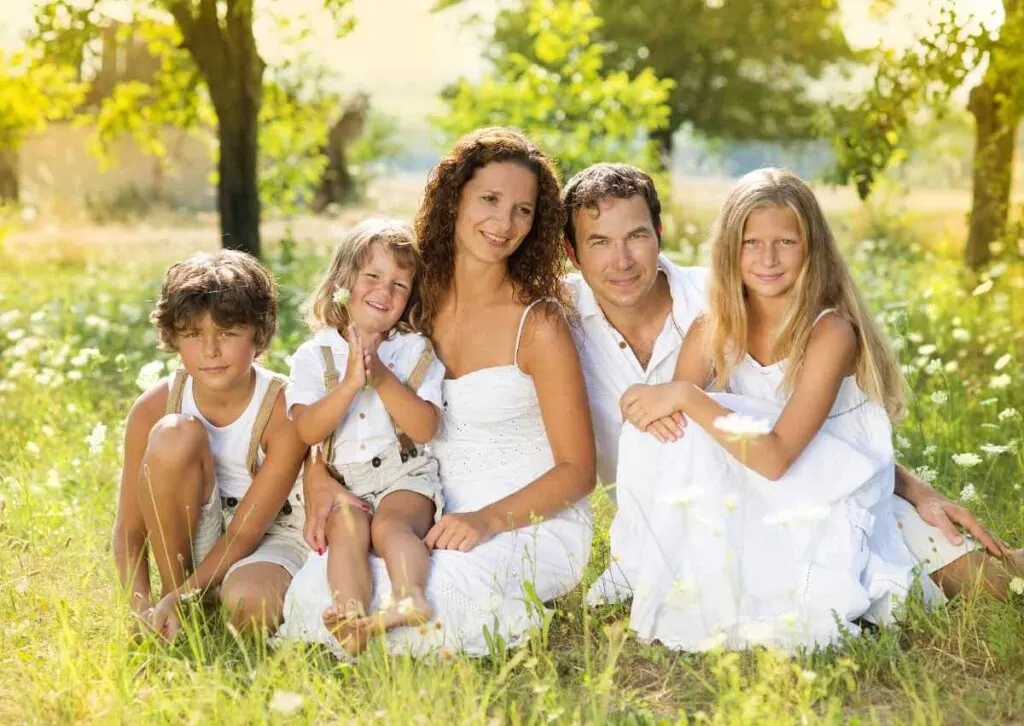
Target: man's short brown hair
<point x="603" y="181"/>
<point x="233" y="287"/>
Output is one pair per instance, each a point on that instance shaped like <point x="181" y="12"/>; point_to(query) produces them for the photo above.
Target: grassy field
<point x="74" y="337"/>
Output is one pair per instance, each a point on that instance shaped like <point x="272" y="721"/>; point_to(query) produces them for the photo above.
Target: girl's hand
<point x="163" y="618"/>
<point x="355" y="367"/>
<point x="670" y="428"/>
<point x="376" y="371"/>
<point x="642" y="405"/>
<point x="460" y="532"/>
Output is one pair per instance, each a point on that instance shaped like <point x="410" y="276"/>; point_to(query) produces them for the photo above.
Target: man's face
<point x="617" y="251"/>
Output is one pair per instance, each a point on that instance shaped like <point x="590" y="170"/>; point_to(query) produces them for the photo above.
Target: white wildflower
<point x="150" y="374"/>
<point x="1007" y="413"/>
<point x="47" y="430"/>
<point x="927" y="349"/>
<point x="983" y="288"/>
<point x="342" y="295"/>
<point x="797" y="514"/>
<point x="951" y="366"/>
<point x="930" y="450"/>
<point x="406" y="606"/>
<point x="933" y="367"/>
<point x="1017" y="586"/>
<point x="1002" y="362"/>
<point x="994" y="449"/>
<point x="808" y="676"/>
<point x="684" y="496"/>
<point x="286" y="702"/>
<point x="927" y="474"/>
<point x="74" y="375"/>
<point x="96" y="437"/>
<point x="988" y="402"/>
<point x="960" y="335"/>
<point x="939" y="397"/>
<point x="902" y="442"/>
<point x="714" y="642"/>
<point x="33" y="448"/>
<point x="1000" y="381"/>
<point x="966" y="460"/>
<point x="968" y="493"/>
<point x="915" y="337"/>
<point x="9" y="317"/>
<point x="16" y="334"/>
<point x="741" y="426"/>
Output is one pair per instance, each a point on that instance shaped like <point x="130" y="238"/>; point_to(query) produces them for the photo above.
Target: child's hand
<point x="163" y="617"/>
<point x="670" y="428"/>
<point x="642" y="405"/>
<point x="355" y="366"/>
<point x="376" y="371"/>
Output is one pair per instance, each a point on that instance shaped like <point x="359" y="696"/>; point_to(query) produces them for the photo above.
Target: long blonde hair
<point x="355" y="250"/>
<point x="824" y="282"/>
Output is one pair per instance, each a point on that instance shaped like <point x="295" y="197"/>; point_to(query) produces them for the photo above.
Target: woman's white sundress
<point x="491" y="443"/>
<point x="727" y="558"/>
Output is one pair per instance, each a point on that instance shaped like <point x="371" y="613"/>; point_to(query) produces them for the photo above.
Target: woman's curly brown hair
<point x="536" y="267"/>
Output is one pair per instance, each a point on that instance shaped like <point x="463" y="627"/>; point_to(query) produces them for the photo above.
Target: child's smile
<point x="380" y="293"/>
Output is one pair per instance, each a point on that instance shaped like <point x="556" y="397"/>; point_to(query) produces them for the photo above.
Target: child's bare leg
<point x="399" y="525"/>
<point x="980" y="569"/>
<point x="254" y="595"/>
<point x="348" y="573"/>
<point x="175" y="480"/>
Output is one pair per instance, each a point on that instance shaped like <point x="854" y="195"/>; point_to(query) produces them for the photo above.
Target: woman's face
<point x="496" y="210"/>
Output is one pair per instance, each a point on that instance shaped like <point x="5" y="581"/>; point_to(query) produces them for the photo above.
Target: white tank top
<point x="230" y="444"/>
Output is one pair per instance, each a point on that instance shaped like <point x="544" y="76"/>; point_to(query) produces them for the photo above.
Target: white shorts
<point x="282" y="544"/>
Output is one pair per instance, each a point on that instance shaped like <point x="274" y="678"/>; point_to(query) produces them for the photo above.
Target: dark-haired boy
<point x="635" y="306"/>
<point x="211" y="458"/>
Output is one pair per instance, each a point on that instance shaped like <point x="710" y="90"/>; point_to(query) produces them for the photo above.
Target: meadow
<point x="75" y="348"/>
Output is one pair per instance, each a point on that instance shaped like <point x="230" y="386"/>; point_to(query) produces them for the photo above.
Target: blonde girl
<point x="788" y="477"/>
<point x="366" y="389"/>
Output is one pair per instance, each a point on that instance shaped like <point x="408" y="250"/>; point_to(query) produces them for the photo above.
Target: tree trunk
<point x="238" y="195"/>
<point x="994" y="141"/>
<point x="9" y="187"/>
<point x="225" y="52"/>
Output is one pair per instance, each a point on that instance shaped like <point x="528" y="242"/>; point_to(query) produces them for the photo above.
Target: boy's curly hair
<point x="233" y="287"/>
<point x="535" y="268"/>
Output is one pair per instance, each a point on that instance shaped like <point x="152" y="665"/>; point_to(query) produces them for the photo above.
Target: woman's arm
<point x="549" y="356"/>
<point x="831" y="353"/>
<point x="131" y="553"/>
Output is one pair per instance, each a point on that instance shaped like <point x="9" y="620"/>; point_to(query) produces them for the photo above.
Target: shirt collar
<point x="330" y="336"/>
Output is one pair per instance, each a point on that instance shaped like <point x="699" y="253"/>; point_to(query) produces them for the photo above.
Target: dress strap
<point x="822" y="314"/>
<point x="522" y="323"/>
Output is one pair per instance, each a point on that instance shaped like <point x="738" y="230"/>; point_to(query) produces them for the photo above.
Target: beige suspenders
<point x="415" y="379"/>
<point x="259" y="425"/>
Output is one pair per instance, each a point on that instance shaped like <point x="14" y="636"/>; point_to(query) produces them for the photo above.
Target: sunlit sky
<point x="402" y="54"/>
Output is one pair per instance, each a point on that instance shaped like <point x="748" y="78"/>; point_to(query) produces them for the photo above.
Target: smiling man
<point x="635" y="306"/>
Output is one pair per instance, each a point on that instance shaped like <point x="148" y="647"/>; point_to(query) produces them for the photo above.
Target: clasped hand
<point x="364" y="367"/>
<point x="654" y="409"/>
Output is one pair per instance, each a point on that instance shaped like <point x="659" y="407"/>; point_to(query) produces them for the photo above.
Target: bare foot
<point x="342" y="622"/>
<point x="413" y="610"/>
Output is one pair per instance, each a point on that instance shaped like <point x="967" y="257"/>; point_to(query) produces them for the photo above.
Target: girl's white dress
<point x="491" y="443"/>
<point x="719" y="556"/>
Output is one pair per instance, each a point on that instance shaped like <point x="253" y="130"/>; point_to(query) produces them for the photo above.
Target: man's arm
<point x="943" y="513"/>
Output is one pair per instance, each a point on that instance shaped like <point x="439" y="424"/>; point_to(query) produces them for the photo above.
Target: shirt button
<point x="362" y="446"/>
<point x="391" y="365"/>
<point x="362" y="415"/>
<point x="622" y="344"/>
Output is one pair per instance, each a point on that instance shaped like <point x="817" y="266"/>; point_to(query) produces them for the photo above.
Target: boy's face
<point x="617" y="251"/>
<point x="217" y="358"/>
<point x="380" y="293"/>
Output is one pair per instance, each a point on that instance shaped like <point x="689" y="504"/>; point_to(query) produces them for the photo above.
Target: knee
<point x="176" y="439"/>
<point x="385" y="527"/>
<point x="250" y="604"/>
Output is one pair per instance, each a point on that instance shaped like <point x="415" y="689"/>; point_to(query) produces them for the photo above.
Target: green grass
<point x="66" y="654"/>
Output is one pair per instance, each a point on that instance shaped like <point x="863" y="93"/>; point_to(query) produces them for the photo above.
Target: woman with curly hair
<point x="516" y="448"/>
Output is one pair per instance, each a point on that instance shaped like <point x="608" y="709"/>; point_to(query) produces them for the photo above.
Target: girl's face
<point x="772" y="252"/>
<point x="217" y="358"/>
<point x="496" y="211"/>
<point x="380" y="292"/>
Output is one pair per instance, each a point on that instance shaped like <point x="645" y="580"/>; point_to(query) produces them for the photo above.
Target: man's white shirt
<point x="609" y="364"/>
